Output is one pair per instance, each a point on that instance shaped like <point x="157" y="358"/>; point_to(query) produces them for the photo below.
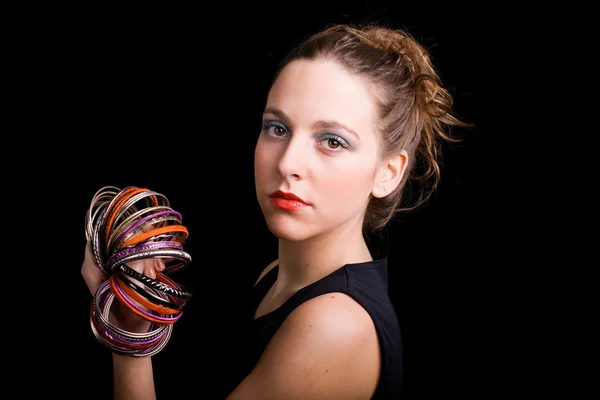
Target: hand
<point x="91" y="272"/>
<point x="120" y="314"/>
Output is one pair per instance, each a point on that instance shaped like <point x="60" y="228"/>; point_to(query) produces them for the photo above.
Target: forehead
<point x="322" y="90"/>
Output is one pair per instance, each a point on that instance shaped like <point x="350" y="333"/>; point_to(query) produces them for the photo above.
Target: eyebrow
<point x="316" y="125"/>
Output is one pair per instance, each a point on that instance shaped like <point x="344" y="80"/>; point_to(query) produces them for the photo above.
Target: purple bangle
<point x="141" y="221"/>
<point x="106" y="296"/>
<point x="143" y="247"/>
<point x="121" y="339"/>
<point x="163" y="319"/>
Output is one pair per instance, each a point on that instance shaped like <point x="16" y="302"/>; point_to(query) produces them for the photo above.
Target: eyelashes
<point x="332" y="142"/>
<point x="275" y="127"/>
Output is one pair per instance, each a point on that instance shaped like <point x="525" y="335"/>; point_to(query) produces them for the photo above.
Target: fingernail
<point x="151" y="273"/>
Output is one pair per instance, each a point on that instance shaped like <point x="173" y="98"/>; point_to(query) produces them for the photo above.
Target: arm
<point x="326" y="349"/>
<point x="133" y="378"/>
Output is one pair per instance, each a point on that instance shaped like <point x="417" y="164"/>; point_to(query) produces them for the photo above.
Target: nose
<point x="294" y="158"/>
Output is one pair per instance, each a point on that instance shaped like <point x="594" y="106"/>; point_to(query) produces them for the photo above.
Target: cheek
<point x="346" y="186"/>
<point x="262" y="164"/>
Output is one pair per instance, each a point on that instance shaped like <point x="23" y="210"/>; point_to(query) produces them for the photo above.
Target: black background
<point x="171" y="99"/>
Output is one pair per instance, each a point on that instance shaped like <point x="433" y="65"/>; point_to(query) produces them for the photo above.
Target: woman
<point x="349" y="116"/>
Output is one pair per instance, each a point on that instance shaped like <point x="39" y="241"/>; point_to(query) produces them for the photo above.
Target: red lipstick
<point x="287" y="201"/>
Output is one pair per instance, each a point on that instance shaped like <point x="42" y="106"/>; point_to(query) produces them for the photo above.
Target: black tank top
<point x="367" y="283"/>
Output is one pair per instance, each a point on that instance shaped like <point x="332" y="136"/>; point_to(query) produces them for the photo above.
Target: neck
<point x="304" y="262"/>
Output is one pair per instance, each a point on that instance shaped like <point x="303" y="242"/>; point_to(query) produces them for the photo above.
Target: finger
<point x="92" y="274"/>
<point x="149" y="270"/>
<point x="137" y="265"/>
<point x="159" y="264"/>
<point x="88" y="257"/>
<point x="93" y="279"/>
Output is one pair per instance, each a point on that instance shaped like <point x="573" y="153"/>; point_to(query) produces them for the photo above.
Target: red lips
<point x="287" y="196"/>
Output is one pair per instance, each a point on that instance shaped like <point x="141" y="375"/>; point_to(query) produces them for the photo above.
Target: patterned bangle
<point x="156" y="284"/>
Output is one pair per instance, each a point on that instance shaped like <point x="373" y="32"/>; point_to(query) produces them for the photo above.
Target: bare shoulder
<point x="266" y="270"/>
<point x="327" y="348"/>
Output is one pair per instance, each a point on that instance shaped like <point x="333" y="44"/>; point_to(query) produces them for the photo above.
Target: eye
<point x="274" y="128"/>
<point x="333" y="142"/>
<point x="278" y="130"/>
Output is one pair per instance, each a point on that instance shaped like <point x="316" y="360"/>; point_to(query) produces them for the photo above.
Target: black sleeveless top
<point x="366" y="283"/>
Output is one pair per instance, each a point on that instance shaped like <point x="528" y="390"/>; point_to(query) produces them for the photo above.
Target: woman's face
<point x="318" y="141"/>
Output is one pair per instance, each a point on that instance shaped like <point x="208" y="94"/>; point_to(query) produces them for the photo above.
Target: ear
<point x="389" y="174"/>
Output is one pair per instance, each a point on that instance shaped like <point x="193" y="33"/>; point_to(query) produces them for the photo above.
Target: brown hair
<point x="414" y="107"/>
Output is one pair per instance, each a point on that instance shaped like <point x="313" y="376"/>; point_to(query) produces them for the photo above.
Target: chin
<point x="286" y="228"/>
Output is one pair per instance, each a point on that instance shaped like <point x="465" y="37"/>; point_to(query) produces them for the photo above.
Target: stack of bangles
<point x="125" y="225"/>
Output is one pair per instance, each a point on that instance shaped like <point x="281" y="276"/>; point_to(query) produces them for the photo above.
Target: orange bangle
<point x="112" y="211"/>
<point x="147" y="317"/>
<point x="155" y="232"/>
<point x="144" y="301"/>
